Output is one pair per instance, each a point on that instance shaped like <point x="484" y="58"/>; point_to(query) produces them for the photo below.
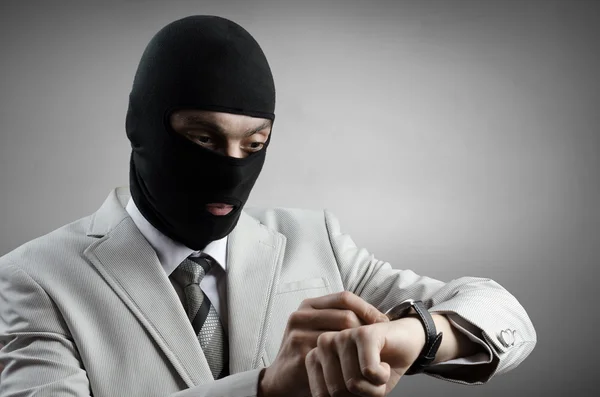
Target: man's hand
<point x="366" y="361"/>
<point x="287" y="375"/>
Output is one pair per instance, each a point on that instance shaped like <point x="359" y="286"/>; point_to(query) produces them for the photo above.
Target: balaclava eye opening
<point x="204" y="63"/>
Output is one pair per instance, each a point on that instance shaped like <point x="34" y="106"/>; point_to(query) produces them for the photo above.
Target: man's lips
<point x="219" y="209"/>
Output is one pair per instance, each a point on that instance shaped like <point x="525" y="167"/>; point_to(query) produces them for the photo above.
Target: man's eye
<point x="204" y="140"/>
<point x="256" y="146"/>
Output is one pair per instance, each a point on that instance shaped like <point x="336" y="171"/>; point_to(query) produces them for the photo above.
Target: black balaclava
<point x="198" y="62"/>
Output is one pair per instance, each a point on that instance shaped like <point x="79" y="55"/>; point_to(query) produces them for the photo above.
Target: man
<point x="172" y="289"/>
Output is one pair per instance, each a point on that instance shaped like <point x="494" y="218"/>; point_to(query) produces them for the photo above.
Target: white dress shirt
<point x="171" y="253"/>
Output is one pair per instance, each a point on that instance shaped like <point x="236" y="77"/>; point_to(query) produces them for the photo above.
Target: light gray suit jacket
<point x="87" y="309"/>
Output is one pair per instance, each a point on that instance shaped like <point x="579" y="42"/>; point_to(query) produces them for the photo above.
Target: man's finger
<point x="302" y="340"/>
<point x="325" y="319"/>
<point x="354" y="380"/>
<point x="316" y="381"/>
<point x="368" y="348"/>
<point x="331" y="367"/>
<point x="349" y="301"/>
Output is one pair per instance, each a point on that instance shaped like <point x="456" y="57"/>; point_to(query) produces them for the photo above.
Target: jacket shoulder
<point x="52" y="249"/>
<point x="285" y="220"/>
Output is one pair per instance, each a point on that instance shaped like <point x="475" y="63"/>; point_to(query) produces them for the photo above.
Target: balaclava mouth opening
<point x="204" y="63"/>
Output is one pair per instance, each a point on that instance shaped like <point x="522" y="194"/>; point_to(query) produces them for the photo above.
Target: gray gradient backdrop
<point x="450" y="137"/>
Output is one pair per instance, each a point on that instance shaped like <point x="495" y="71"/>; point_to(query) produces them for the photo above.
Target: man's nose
<point x="234" y="150"/>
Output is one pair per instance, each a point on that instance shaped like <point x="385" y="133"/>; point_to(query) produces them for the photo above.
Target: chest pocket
<point x="287" y="299"/>
<point x="296" y="286"/>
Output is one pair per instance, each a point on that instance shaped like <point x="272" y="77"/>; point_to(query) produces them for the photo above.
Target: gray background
<point x="450" y="137"/>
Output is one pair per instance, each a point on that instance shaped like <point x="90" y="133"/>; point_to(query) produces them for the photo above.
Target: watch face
<point x="400" y="310"/>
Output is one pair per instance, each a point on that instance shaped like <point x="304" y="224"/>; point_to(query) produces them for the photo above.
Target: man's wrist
<point x="446" y="351"/>
<point x="455" y="344"/>
<point x="414" y="332"/>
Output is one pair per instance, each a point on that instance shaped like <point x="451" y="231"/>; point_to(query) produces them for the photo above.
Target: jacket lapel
<point x="130" y="266"/>
<point x="254" y="257"/>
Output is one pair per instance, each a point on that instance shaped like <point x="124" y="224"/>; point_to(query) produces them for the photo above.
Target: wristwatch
<point x="432" y="338"/>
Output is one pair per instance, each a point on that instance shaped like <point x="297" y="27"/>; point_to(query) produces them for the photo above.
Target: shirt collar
<point x="171" y="253"/>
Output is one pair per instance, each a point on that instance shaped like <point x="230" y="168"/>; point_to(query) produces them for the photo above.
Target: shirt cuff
<point x="472" y="333"/>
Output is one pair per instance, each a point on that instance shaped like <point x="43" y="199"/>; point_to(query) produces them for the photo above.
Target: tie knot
<point x="192" y="270"/>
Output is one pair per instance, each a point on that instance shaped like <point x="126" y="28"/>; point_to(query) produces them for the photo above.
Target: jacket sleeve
<point x="41" y="359"/>
<point x="479" y="307"/>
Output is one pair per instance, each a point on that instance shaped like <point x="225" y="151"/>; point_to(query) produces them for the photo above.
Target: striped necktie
<point x="202" y="314"/>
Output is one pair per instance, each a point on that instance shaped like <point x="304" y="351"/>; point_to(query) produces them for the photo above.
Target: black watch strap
<point x="432" y="338"/>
